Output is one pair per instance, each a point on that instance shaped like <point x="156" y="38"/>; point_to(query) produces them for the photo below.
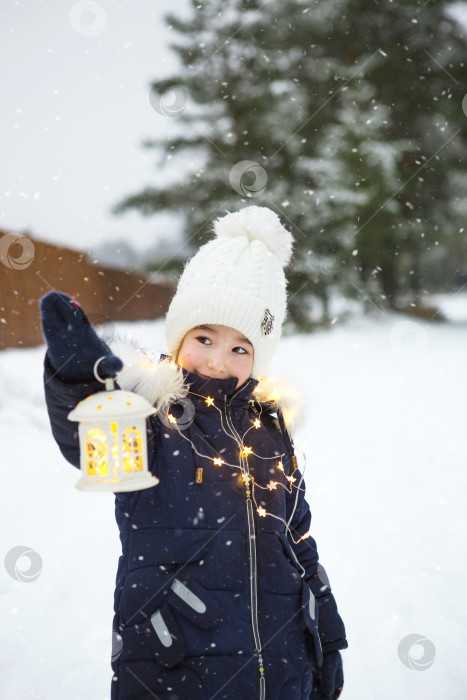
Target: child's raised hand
<point x="73" y="345"/>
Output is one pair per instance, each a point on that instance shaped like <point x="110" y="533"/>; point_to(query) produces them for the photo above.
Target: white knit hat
<point x="236" y="280"/>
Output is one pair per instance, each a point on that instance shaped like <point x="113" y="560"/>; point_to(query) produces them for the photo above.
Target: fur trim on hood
<point x="280" y="392"/>
<point x="161" y="382"/>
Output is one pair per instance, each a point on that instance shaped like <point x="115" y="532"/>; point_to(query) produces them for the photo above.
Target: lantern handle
<point x="108" y="381"/>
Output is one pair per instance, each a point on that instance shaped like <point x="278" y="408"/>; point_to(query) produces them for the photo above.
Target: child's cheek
<point x="192" y="357"/>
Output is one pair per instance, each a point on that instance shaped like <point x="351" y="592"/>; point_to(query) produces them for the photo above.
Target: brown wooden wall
<point x="29" y="268"/>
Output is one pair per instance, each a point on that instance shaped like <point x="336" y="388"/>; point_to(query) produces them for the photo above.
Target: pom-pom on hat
<point x="236" y="280"/>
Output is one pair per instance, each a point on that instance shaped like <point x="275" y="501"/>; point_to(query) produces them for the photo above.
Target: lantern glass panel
<point x="132" y="450"/>
<point x="115" y="456"/>
<point x="97" y="463"/>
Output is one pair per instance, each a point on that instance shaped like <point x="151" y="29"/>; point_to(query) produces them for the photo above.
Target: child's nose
<point x="217" y="360"/>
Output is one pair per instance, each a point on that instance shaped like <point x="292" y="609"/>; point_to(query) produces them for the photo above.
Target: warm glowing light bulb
<point x="246" y="451"/>
<point x="218" y="461"/>
<point x="209" y="401"/>
<point x="246" y="477"/>
<point x="291" y="479"/>
<point x="171" y="418"/>
<point x="257" y="423"/>
<point x="280" y="466"/>
<point x="261" y="511"/>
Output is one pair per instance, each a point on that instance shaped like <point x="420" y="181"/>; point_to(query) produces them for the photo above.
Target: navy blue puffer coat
<point x="213" y="599"/>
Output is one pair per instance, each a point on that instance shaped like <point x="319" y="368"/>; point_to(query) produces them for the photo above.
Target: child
<point x="219" y="594"/>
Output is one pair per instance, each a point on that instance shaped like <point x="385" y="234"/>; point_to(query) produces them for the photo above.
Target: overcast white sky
<point x="74" y="111"/>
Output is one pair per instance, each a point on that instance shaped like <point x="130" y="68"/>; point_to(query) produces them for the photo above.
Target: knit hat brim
<point x="227" y="307"/>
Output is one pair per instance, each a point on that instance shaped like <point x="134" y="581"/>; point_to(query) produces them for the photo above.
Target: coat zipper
<point x="251" y="558"/>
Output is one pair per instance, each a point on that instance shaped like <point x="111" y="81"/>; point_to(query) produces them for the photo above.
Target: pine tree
<point x="356" y="171"/>
<point x="270" y="99"/>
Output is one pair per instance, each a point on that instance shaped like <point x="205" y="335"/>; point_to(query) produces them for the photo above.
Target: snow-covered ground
<point x="386" y="480"/>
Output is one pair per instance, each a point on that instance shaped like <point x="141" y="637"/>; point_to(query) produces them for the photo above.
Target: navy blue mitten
<point x="329" y="681"/>
<point x="73" y="345"/>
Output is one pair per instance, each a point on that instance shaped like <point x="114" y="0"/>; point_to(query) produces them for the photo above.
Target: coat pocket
<point x="309" y="604"/>
<point x="310" y="613"/>
<point x="156" y="556"/>
<point x="160" y="637"/>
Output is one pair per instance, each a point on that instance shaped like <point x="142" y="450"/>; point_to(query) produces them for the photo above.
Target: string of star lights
<point x="248" y="480"/>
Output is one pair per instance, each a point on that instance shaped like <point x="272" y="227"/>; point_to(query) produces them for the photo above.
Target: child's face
<point x="217" y="352"/>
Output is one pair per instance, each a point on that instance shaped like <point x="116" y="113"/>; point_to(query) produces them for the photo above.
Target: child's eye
<point x="239" y="350"/>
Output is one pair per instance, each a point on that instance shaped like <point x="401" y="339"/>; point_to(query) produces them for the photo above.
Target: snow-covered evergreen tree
<point x="281" y="102"/>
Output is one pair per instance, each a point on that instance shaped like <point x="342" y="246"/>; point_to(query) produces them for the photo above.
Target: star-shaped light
<point x="272" y="485"/>
<point x="209" y="400"/>
<point x="257" y="423"/>
<point x="246" y="451"/>
<point x="261" y="511"/>
<point x="218" y="461"/>
<point x="291" y="479"/>
<point x="246" y="477"/>
<point x="171" y="418"/>
<point x="280" y="466"/>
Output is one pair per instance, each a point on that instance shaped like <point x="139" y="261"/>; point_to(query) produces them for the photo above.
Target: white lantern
<point x="112" y="440"/>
